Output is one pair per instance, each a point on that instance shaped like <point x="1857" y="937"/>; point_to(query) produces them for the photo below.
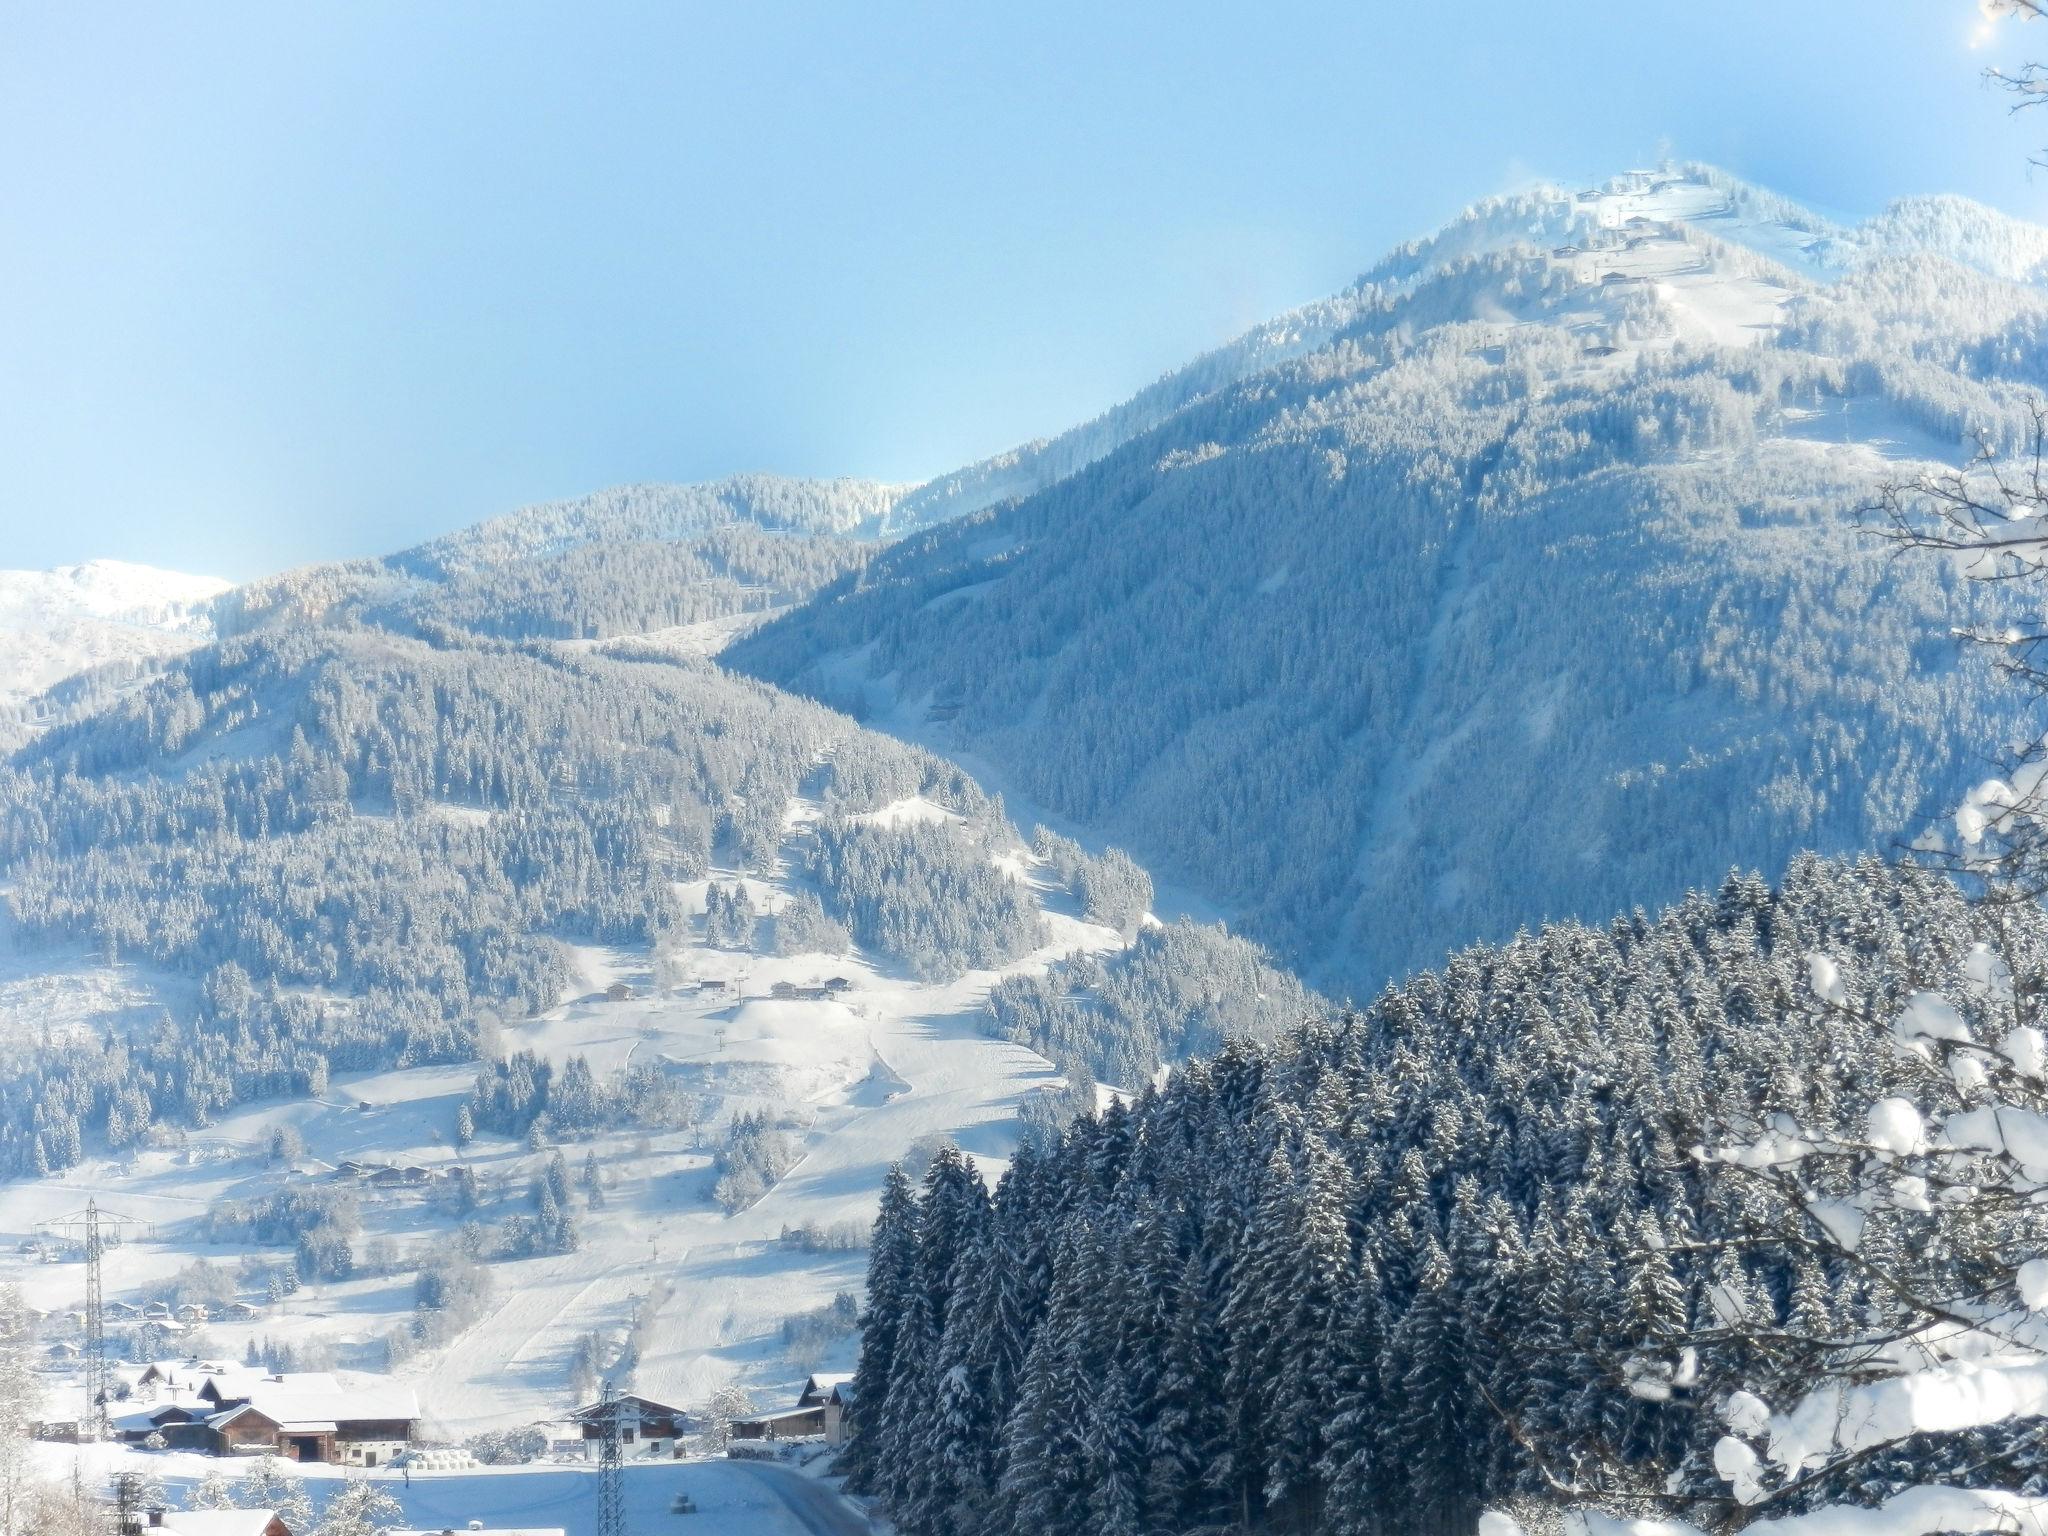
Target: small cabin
<point x="618" y="992"/>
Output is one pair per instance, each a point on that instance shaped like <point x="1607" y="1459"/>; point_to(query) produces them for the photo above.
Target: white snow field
<point x="733" y="1498"/>
<point x="56" y="624"/>
<point x="861" y="1079"/>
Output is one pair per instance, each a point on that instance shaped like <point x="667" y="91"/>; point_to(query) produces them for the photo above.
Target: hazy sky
<point x="288" y="282"/>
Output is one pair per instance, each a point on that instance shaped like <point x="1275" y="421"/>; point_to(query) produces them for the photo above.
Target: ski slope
<point x="886" y="1067"/>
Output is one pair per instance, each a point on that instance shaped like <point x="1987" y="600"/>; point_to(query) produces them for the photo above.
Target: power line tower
<point x="95" y="1228"/>
<point x="95" y="1325"/>
<point x="611" y="1492"/>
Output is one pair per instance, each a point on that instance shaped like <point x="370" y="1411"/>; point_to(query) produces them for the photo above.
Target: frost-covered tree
<point x="361" y="1508"/>
<point x="273" y="1483"/>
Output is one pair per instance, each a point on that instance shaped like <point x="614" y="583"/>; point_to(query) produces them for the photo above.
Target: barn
<point x="309" y="1416"/>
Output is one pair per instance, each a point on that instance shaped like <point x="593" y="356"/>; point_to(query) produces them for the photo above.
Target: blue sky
<point x="292" y="282"/>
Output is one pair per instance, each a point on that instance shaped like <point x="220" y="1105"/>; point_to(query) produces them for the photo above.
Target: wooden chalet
<point x="646" y="1427"/>
<point x="812" y="1416"/>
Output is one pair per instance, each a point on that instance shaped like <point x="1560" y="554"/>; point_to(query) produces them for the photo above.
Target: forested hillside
<point x="1462" y="1249"/>
<point x="1524" y="580"/>
<point x="359" y="844"/>
<point x="385" y="811"/>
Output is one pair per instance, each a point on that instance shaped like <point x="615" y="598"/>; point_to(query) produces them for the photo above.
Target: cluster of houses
<point x="390" y="1175"/>
<point x="166" y="1319"/>
<point x="228" y="1410"/>
<point x="620" y="992"/>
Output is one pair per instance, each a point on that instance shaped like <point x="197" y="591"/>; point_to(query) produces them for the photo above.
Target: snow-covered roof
<point x="308" y="1398"/>
<point x="595" y="1411"/>
<point x="802" y="1411"/>
<point x="217" y="1522"/>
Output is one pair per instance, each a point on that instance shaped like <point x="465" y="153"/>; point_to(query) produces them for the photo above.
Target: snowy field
<point x="733" y="1498"/>
<point x="861" y="1079"/>
<point x="54" y="624"/>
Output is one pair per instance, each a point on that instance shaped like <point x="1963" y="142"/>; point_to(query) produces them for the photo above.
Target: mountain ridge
<point x="1656" y="405"/>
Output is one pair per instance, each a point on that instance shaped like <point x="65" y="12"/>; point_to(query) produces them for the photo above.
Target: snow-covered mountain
<point x="1521" y="579"/>
<point x="107" y="614"/>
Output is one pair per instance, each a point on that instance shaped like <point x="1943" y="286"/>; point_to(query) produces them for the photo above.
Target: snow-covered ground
<point x="733" y="1498"/>
<point x="56" y="624"/>
<point x="860" y="1078"/>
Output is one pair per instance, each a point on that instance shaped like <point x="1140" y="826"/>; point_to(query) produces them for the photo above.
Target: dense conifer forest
<point x="1450" y="1251"/>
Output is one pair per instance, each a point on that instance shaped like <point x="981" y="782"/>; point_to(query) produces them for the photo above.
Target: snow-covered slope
<point x="861" y="1080"/>
<point x="1522" y="579"/>
<point x="104" y="613"/>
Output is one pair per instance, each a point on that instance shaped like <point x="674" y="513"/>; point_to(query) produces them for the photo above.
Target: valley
<point x="1145" y="972"/>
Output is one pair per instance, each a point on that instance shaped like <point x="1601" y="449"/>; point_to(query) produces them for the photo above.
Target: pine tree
<point x="892" y="1275"/>
<point x="1434" y="1413"/>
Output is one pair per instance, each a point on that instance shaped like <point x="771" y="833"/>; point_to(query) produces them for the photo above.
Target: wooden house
<point x="813" y="1414"/>
<point x="646" y="1427"/>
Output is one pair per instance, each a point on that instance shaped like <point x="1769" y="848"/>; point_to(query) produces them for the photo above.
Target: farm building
<point x="646" y="1427"/>
<point x="309" y="1416"/>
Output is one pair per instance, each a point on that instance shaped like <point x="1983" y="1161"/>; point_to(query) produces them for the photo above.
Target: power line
<point x="95" y="1327"/>
<point x="94" y="1225"/>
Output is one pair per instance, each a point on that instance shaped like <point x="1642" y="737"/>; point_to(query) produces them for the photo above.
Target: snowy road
<point x="821" y="1510"/>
